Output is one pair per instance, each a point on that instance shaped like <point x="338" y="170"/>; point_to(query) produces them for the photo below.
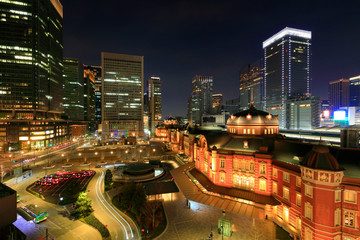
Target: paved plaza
<point x="196" y="222"/>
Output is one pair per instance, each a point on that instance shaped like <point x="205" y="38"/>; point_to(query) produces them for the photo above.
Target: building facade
<point x="73" y="87"/>
<point x="301" y="187"/>
<point x="354" y="91"/>
<point x="339" y="93"/>
<point x="31" y="59"/>
<point x="287" y="69"/>
<point x="217" y="103"/>
<point x="97" y="74"/>
<point x="303" y="113"/>
<point x="201" y="97"/>
<point x="122" y="94"/>
<point x="89" y="95"/>
<point x="154" y="103"/>
<point x="251" y="85"/>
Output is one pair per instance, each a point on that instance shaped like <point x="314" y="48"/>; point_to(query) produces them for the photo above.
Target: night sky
<point x="179" y="39"/>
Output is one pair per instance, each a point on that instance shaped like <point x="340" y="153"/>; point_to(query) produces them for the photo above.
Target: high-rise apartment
<point x="96" y="70"/>
<point x="73" y="99"/>
<point x="287" y="63"/>
<point x="31" y="59"/>
<point x="354" y="91"/>
<point x="251" y="85"/>
<point x="122" y="94"/>
<point x="201" y="97"/>
<point x="154" y="102"/>
<point x="339" y="93"/>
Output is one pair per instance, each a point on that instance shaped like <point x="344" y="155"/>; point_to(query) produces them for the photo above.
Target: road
<point x="59" y="225"/>
<point x="120" y="226"/>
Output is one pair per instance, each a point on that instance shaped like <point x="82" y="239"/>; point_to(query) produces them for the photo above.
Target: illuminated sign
<point x="339" y="115"/>
<point x="326" y="113"/>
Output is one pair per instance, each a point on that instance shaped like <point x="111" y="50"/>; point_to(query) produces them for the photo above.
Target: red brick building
<point x="312" y="191"/>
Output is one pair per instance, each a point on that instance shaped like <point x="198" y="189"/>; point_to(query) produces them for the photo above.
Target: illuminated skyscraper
<point x="31" y="57"/>
<point x="155" y="102"/>
<point x="251" y="85"/>
<point x="201" y="97"/>
<point x="354" y="91"/>
<point x="122" y="94"/>
<point x="339" y="93"/>
<point x="97" y="74"/>
<point x="73" y="99"/>
<point x="287" y="75"/>
<point x="89" y="95"/>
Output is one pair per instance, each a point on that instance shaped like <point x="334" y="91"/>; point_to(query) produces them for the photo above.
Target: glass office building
<point x="287" y="73"/>
<point x="122" y="94"/>
<point x="31" y="56"/>
<point x="73" y="89"/>
<point x="154" y="103"/>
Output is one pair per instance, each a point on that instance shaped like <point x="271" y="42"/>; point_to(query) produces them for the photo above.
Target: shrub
<point x="93" y="221"/>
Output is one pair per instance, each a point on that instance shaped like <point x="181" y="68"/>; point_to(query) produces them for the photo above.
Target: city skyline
<point x="210" y="39"/>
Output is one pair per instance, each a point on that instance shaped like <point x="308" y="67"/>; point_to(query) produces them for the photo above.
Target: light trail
<point x="102" y="200"/>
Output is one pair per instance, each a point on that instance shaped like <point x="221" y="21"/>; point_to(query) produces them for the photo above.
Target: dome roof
<point x="253" y="116"/>
<point x="321" y="158"/>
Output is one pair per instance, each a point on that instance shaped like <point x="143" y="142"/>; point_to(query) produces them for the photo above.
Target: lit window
<point x="222" y="177"/>
<point x="298" y="199"/>
<point x="263" y="169"/>
<point x="248" y="131"/>
<point x="265" y="131"/>
<point x="308" y="210"/>
<point x="298" y="181"/>
<point x="262" y="184"/>
<point x="308" y="234"/>
<point x="349" y="220"/>
<point x="350" y="196"/>
<point x="252" y="168"/>
<point x="253" y="131"/>
<point x="275" y="172"/>
<point x="286" y="177"/>
<point x="308" y="190"/>
<point x="275" y="190"/>
<point x="337" y="195"/>
<point x="286" y="214"/>
<point x="244" y="131"/>
<point x="286" y="193"/>
<point x="222" y="163"/>
<point x="246" y="144"/>
<point x="337" y="217"/>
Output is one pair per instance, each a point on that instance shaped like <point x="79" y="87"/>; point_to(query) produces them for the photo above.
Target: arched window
<point x="265" y="131"/>
<point x="272" y="131"/>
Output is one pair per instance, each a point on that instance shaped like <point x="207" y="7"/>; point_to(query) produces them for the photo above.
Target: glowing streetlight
<point x="62" y="155"/>
<point x="111" y="152"/>
<point x="154" y="150"/>
<point x="79" y="154"/>
<point x="96" y="153"/>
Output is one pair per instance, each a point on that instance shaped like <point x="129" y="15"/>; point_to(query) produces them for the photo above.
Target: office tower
<point x="31" y="59"/>
<point x="217" y="103"/>
<point x="154" y="102"/>
<point x="201" y="102"/>
<point x="354" y="91"/>
<point x="339" y="93"/>
<point x="303" y="113"/>
<point x="251" y="85"/>
<point x="89" y="95"/>
<point x="97" y="74"/>
<point x="73" y="99"/>
<point x="287" y="63"/>
<point x="31" y="63"/>
<point x="232" y="106"/>
<point x="122" y="94"/>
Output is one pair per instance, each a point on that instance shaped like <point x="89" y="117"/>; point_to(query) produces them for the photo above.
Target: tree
<point x="108" y="180"/>
<point x="151" y="208"/>
<point x="138" y="200"/>
<point x="82" y="206"/>
<point x="132" y="197"/>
